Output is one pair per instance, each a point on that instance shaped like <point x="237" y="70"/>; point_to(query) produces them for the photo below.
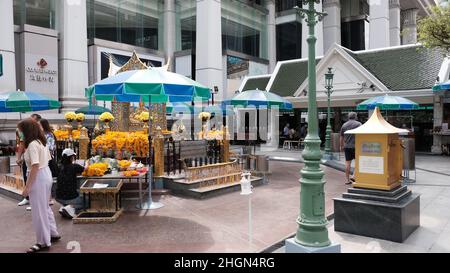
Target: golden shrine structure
<point x="378" y="205"/>
<point x="379" y="154"/>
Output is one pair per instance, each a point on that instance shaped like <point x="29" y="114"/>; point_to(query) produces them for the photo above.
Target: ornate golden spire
<point x="134" y="63"/>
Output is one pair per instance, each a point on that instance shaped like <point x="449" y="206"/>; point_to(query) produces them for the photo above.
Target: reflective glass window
<point x="39" y="13"/>
<point x="134" y="22"/>
<point x="244" y="28"/>
<point x="186" y="24"/>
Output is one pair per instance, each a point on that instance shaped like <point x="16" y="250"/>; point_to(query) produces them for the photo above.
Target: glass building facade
<point x="39" y="13"/>
<point x="133" y="22"/>
<point x="282" y="5"/>
<point x="244" y="28"/>
<point x="289" y="41"/>
<point x="353" y="23"/>
<point x="185" y="24"/>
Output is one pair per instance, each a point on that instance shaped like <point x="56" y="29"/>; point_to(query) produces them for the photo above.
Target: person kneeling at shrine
<point x="67" y="193"/>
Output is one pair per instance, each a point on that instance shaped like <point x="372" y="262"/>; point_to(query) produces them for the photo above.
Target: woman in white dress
<point x="39" y="184"/>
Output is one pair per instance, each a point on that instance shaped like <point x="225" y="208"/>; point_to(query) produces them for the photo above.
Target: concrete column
<point x="318" y="34"/>
<point x="379" y="24"/>
<point x="437" y="121"/>
<point x="271" y="36"/>
<point x="409" y="18"/>
<point x="209" y="66"/>
<point x="73" y="52"/>
<point x="169" y="32"/>
<point x="331" y="23"/>
<point x="8" y="80"/>
<point x="394" y="22"/>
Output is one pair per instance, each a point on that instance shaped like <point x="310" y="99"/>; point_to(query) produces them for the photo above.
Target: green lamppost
<point x="312" y="224"/>
<point x="329" y="87"/>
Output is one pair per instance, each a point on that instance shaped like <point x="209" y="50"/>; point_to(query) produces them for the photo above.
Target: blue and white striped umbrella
<point x="387" y="102"/>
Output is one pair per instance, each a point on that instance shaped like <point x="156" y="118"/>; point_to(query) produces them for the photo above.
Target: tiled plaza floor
<point x="218" y="224"/>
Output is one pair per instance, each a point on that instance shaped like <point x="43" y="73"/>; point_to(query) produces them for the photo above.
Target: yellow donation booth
<point x="379" y="154"/>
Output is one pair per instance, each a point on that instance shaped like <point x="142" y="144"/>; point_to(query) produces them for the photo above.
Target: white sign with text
<point x="371" y="164"/>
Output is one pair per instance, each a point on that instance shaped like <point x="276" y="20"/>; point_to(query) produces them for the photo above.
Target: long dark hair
<point x="46" y="127"/>
<point x="31" y="132"/>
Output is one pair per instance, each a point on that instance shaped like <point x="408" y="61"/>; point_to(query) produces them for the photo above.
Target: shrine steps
<point x="197" y="189"/>
<point x="10" y="186"/>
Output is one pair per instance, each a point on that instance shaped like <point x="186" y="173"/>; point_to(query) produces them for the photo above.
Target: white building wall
<point x="394" y="22"/>
<point x="169" y="32"/>
<point x="409" y="26"/>
<point x="8" y="80"/>
<point x="73" y="52"/>
<point x="318" y="34"/>
<point x="379" y="24"/>
<point x="271" y="36"/>
<point x="331" y="24"/>
<point x="209" y="65"/>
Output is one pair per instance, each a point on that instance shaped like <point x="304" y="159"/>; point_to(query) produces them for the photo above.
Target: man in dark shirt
<point x="348" y="143"/>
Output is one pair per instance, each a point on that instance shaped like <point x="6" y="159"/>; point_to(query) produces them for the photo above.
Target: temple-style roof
<point x="133" y="64"/>
<point x="376" y="125"/>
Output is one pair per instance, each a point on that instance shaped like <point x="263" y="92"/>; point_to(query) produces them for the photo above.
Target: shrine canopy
<point x="387" y="102"/>
<point x="141" y="85"/>
<point x="376" y="125"/>
<point x="442" y="86"/>
<point x="258" y="98"/>
<point x="26" y="101"/>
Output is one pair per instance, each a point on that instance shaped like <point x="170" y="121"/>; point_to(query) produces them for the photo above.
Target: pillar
<point x="169" y="32"/>
<point x="225" y="145"/>
<point x="8" y="80"/>
<point x="409" y="18"/>
<point x="438" y="115"/>
<point x="271" y="35"/>
<point x="379" y="24"/>
<point x="209" y="66"/>
<point x="394" y="22"/>
<point x="73" y="53"/>
<point x="158" y="145"/>
<point x="319" y="35"/>
<point x="83" y="151"/>
<point x="331" y="24"/>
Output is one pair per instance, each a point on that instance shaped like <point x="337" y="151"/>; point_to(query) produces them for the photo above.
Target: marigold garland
<point x="64" y="134"/>
<point x="133" y="142"/>
<point x="96" y="169"/>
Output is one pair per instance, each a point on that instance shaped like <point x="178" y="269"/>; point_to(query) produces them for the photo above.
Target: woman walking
<point x="51" y="144"/>
<point x="39" y="184"/>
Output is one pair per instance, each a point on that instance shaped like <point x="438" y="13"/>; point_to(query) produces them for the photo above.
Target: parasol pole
<point x="149" y="204"/>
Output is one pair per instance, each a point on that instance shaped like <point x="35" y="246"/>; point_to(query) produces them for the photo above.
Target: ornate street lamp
<point x="312" y="224"/>
<point x="329" y="87"/>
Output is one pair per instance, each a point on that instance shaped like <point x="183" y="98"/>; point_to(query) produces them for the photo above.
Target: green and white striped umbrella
<point x="26" y="101"/>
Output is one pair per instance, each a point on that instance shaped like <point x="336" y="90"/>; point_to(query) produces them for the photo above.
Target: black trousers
<point x="24" y="174"/>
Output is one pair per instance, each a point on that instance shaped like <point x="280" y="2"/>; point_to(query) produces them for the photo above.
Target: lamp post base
<point x="150" y="205"/>
<point x="327" y="157"/>
<point x="293" y="247"/>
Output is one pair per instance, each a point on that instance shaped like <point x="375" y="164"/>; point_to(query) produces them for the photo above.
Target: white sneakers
<point x="23" y="202"/>
<point x="28" y="208"/>
<point x="51" y="203"/>
<point x="68" y="211"/>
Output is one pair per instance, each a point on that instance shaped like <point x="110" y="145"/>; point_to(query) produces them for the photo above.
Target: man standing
<point x="348" y="143"/>
<point x="286" y="130"/>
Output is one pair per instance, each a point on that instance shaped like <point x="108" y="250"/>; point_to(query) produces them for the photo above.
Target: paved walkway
<point x="218" y="224"/>
<point x="433" y="235"/>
